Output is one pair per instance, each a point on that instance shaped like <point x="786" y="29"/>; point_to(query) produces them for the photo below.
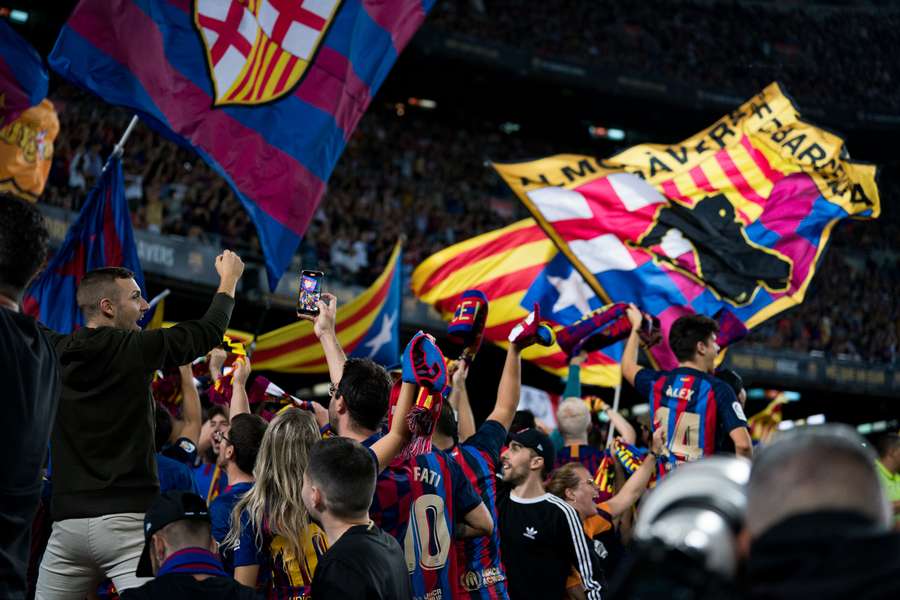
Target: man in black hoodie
<point x="102" y="446"/>
<point x="817" y="523"/>
<point x="30" y="376"/>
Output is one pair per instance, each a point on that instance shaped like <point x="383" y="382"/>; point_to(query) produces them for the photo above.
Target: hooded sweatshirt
<point x="102" y="447"/>
<point x="825" y="556"/>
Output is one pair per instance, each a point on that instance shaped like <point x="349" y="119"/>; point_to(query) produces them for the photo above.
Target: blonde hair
<point x="565" y="478"/>
<point x="274" y="499"/>
<point x="573" y="418"/>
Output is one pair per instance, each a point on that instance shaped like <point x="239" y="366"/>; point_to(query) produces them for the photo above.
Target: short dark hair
<point x="95" y="285"/>
<point x="24" y="241"/>
<point x="163" y="427"/>
<point x="885" y="442"/>
<point x="447" y="423"/>
<point x="246" y="434"/>
<point x="687" y="331"/>
<point x="214" y="410"/>
<point x="345" y="470"/>
<point x="732" y="378"/>
<point x="366" y="388"/>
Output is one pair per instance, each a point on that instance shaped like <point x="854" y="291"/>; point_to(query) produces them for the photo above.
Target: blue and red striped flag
<point x="267" y="91"/>
<point x="101" y="236"/>
<point x="23" y="78"/>
<point x="730" y="223"/>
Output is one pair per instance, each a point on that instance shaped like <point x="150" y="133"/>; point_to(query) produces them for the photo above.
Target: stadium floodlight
<point x="19" y="16"/>
<point x="423" y="103"/>
<point x="615" y="134"/>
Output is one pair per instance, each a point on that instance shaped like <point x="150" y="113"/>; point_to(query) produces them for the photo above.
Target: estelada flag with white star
<point x="735" y="218"/>
<point x="515" y="267"/>
<point x="367" y="327"/>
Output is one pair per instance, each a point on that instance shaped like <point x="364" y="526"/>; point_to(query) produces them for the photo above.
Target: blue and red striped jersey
<point x="697" y="410"/>
<point x="586" y="454"/>
<point x="418" y="502"/>
<point x="481" y="573"/>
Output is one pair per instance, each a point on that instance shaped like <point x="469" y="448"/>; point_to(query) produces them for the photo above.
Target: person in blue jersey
<point x="699" y="411"/>
<point x="480" y="572"/>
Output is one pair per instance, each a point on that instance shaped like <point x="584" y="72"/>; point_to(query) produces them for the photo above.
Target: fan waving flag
<point x="267" y="91"/>
<point x="101" y="236"/>
<point x="729" y="223"/>
<point x="515" y="267"/>
<point x="367" y="327"/>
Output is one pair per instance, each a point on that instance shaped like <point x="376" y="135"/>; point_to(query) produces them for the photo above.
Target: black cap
<point x="167" y="508"/>
<point x="538" y="441"/>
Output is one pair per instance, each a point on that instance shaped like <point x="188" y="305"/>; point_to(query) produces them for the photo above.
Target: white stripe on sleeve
<point x="579" y="541"/>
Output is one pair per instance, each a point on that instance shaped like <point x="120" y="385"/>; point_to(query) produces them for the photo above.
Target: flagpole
<point x="120" y="147"/>
<point x="615" y="407"/>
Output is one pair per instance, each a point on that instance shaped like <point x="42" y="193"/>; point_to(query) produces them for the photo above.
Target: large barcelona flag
<point x="736" y="217"/>
<point x="267" y="91"/>
<point x="101" y="236"/>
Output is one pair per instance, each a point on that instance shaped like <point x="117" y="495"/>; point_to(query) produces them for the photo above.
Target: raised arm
<point x="573" y="382"/>
<point x="459" y="399"/>
<point x="185" y="341"/>
<point x="510" y="388"/>
<point x="324" y="328"/>
<point x="637" y="483"/>
<point x="390" y="445"/>
<point x="191" y="413"/>
<point x="621" y="424"/>
<point x="214" y="360"/>
<point x="630" y="367"/>
<point x="240" y="404"/>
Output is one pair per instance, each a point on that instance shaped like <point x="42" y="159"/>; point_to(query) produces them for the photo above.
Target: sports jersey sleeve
<point x="465" y="498"/>
<point x="643" y="382"/>
<point x="247" y="553"/>
<point x="574" y="542"/>
<point x="490" y="438"/>
<point x="729" y="407"/>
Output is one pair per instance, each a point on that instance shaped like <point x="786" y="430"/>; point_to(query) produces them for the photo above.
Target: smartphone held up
<point x="309" y="293"/>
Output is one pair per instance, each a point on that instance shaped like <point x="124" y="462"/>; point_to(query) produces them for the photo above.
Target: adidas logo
<point x="530" y="532"/>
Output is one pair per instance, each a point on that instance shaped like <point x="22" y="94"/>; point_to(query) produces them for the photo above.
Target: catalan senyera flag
<point x="101" y="236"/>
<point x="266" y="91"/>
<point x="367" y="327"/>
<point x="512" y="265"/>
<point x="735" y="217"/>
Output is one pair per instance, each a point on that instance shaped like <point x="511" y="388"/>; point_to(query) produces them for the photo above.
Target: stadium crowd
<point x="432" y="168"/>
<point x="735" y="47"/>
<point x="389" y="488"/>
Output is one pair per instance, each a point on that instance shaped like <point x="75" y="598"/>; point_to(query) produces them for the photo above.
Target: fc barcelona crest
<point x="258" y="51"/>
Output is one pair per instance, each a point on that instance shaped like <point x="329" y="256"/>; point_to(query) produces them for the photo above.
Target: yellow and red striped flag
<point x="367" y="326"/>
<point x="503" y="264"/>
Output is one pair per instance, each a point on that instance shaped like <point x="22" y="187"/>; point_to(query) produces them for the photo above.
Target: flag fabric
<point x="26" y="151"/>
<point x="23" y="78"/>
<point x="101" y="236"/>
<point x="266" y="91"/>
<point x="735" y="217"/>
<point x="367" y="327"/>
<point x="515" y="267"/>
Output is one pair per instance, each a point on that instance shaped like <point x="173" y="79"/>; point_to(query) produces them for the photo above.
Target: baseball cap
<point x="538" y="441"/>
<point x="167" y="508"/>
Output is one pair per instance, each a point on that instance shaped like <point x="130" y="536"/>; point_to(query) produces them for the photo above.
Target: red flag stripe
<point x="734" y="175"/>
<point x="517" y="281"/>
<point x="761" y="161"/>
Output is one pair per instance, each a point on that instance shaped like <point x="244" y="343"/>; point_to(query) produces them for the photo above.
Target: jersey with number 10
<point x="418" y="502"/>
<point x="697" y="410"/>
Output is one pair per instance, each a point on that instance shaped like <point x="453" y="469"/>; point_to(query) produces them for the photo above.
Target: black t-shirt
<point x="29" y="371"/>
<point x="541" y="539"/>
<point x="174" y="586"/>
<point x="364" y="563"/>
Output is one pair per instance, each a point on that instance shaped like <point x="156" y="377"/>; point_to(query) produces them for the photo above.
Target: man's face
<point x="311" y="499"/>
<point x="516" y="463"/>
<point x="210" y="426"/>
<point x="225" y="448"/>
<point x="711" y="351"/>
<point x="128" y="304"/>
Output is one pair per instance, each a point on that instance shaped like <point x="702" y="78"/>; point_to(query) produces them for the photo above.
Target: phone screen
<point x="310" y="292"/>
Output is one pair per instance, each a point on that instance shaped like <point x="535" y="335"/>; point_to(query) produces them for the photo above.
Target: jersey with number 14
<point x="418" y="501"/>
<point x="697" y="410"/>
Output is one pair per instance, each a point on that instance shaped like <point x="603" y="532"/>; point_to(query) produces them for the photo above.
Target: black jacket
<point x="29" y="398"/>
<point x="175" y="586"/>
<point x="824" y="556"/>
<point x="102" y="449"/>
